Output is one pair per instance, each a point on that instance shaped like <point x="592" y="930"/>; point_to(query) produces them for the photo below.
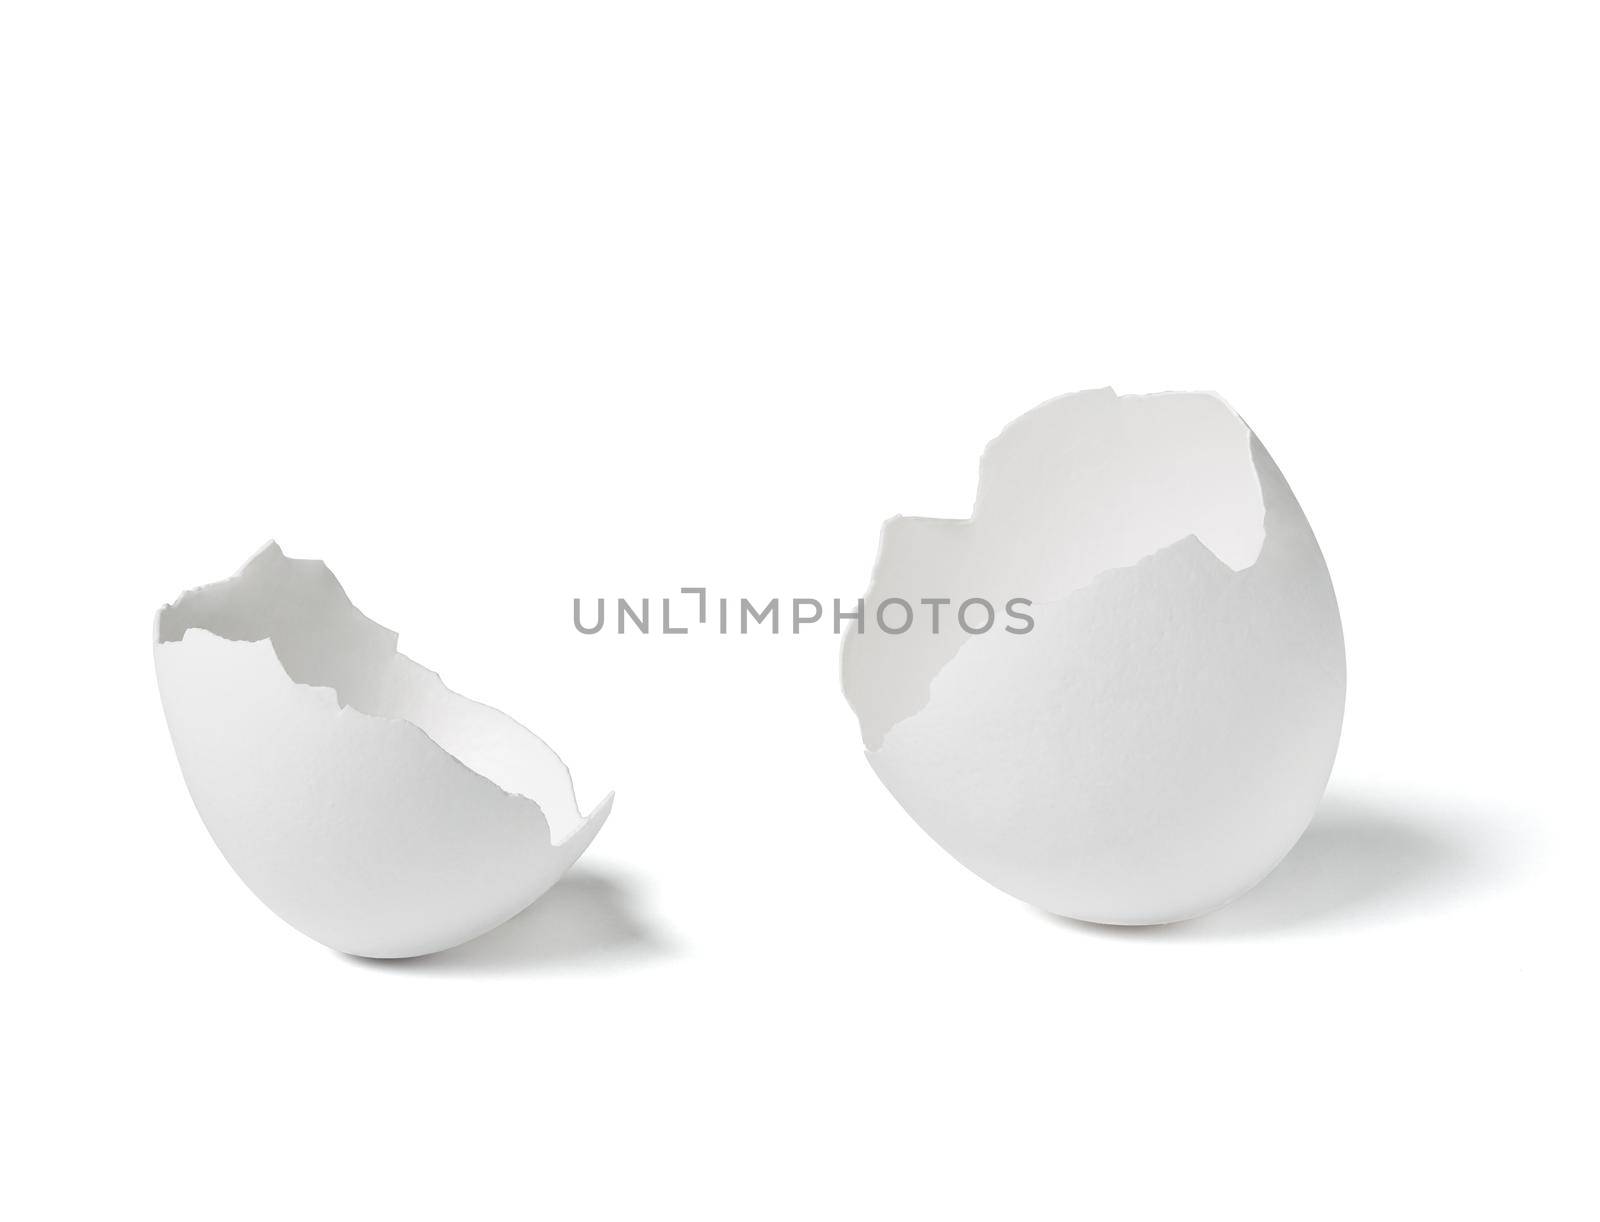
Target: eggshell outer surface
<point x="356" y="827"/>
<point x="1162" y="737"/>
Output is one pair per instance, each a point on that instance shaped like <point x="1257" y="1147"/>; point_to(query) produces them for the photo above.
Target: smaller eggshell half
<point x="317" y="758"/>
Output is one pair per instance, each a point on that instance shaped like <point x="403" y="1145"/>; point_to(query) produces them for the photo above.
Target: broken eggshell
<point x="1159" y="740"/>
<point x="364" y="802"/>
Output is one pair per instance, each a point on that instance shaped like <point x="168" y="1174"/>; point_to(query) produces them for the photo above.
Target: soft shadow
<point x="589" y="918"/>
<point x="1363" y="860"/>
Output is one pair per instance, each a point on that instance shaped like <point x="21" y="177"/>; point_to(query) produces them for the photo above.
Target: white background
<point x="492" y="306"/>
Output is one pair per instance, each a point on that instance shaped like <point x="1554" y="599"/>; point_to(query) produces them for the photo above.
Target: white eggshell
<point x="363" y="801"/>
<point x="1162" y="737"/>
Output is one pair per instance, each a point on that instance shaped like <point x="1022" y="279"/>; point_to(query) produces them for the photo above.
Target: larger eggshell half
<point x="1163" y="735"/>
